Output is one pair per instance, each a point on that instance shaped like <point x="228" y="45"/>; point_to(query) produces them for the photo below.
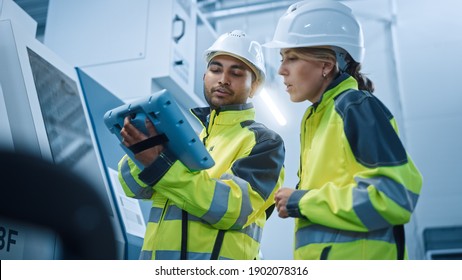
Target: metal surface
<point x="38" y="10"/>
<point x="213" y="9"/>
<point x="245" y="9"/>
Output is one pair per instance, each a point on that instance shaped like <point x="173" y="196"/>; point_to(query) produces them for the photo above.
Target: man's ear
<point x="253" y="89"/>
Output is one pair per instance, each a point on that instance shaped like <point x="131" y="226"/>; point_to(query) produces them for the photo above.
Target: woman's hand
<point x="281" y="198"/>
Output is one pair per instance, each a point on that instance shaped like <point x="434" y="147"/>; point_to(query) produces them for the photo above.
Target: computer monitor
<point x="69" y="138"/>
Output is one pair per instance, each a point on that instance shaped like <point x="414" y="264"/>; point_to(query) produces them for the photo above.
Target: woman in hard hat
<point x="358" y="186"/>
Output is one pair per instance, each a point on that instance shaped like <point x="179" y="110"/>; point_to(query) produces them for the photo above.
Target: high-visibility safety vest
<point x="358" y="186"/>
<point x="218" y="213"/>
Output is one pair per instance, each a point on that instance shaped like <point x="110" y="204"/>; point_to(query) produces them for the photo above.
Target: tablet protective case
<point x="163" y="111"/>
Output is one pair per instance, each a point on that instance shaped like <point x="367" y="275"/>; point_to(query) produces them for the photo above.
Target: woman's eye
<point x="289" y="58"/>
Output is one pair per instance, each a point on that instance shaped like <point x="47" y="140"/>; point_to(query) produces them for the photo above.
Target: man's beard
<point x="208" y="100"/>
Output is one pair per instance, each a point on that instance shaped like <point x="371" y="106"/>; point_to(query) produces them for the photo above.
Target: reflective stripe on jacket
<point x="232" y="196"/>
<point x="356" y="180"/>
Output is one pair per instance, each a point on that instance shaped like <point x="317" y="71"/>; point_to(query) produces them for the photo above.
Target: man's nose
<point x="224" y="80"/>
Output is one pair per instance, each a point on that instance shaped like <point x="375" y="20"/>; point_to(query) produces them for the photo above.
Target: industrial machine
<point x="44" y="114"/>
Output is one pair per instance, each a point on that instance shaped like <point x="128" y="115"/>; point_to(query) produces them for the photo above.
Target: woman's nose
<point x="282" y="70"/>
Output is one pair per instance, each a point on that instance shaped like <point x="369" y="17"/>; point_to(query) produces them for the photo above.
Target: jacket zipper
<point x="162" y="215"/>
<point x="209" y="126"/>
<point x="303" y="144"/>
<point x="164" y="210"/>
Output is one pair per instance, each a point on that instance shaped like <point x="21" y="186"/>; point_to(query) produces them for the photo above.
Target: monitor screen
<point x="65" y="123"/>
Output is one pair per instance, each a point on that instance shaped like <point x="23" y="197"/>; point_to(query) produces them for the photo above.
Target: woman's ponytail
<point x="353" y="68"/>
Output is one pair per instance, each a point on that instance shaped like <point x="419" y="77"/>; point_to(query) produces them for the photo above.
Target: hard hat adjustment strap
<point x="341" y="59"/>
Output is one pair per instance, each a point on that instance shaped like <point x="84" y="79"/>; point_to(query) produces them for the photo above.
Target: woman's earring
<point x="324" y="75"/>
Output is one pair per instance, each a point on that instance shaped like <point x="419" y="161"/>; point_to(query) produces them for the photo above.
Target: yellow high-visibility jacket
<point x="358" y="186"/>
<point x="218" y="213"/>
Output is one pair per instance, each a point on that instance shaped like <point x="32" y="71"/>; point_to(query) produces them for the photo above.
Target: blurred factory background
<point x="54" y="52"/>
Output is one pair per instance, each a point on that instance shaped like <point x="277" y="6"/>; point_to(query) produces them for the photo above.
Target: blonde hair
<point x="321" y="54"/>
<point x="328" y="55"/>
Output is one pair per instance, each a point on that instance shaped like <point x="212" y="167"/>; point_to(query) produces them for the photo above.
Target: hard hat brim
<point x="210" y="54"/>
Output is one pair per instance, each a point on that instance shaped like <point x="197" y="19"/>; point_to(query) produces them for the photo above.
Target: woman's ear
<point x="328" y="67"/>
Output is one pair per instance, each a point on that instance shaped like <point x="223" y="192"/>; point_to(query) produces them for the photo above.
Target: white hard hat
<point x="238" y="45"/>
<point x="319" y="23"/>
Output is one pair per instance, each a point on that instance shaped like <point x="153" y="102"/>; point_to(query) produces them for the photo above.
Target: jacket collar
<point x="227" y="115"/>
<point x="337" y="86"/>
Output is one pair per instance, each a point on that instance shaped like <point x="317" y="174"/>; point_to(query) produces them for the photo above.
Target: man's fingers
<point x="130" y="134"/>
<point x="151" y="128"/>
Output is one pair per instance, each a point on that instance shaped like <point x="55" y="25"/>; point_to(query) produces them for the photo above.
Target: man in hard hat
<point x="358" y="186"/>
<point x="218" y="213"/>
